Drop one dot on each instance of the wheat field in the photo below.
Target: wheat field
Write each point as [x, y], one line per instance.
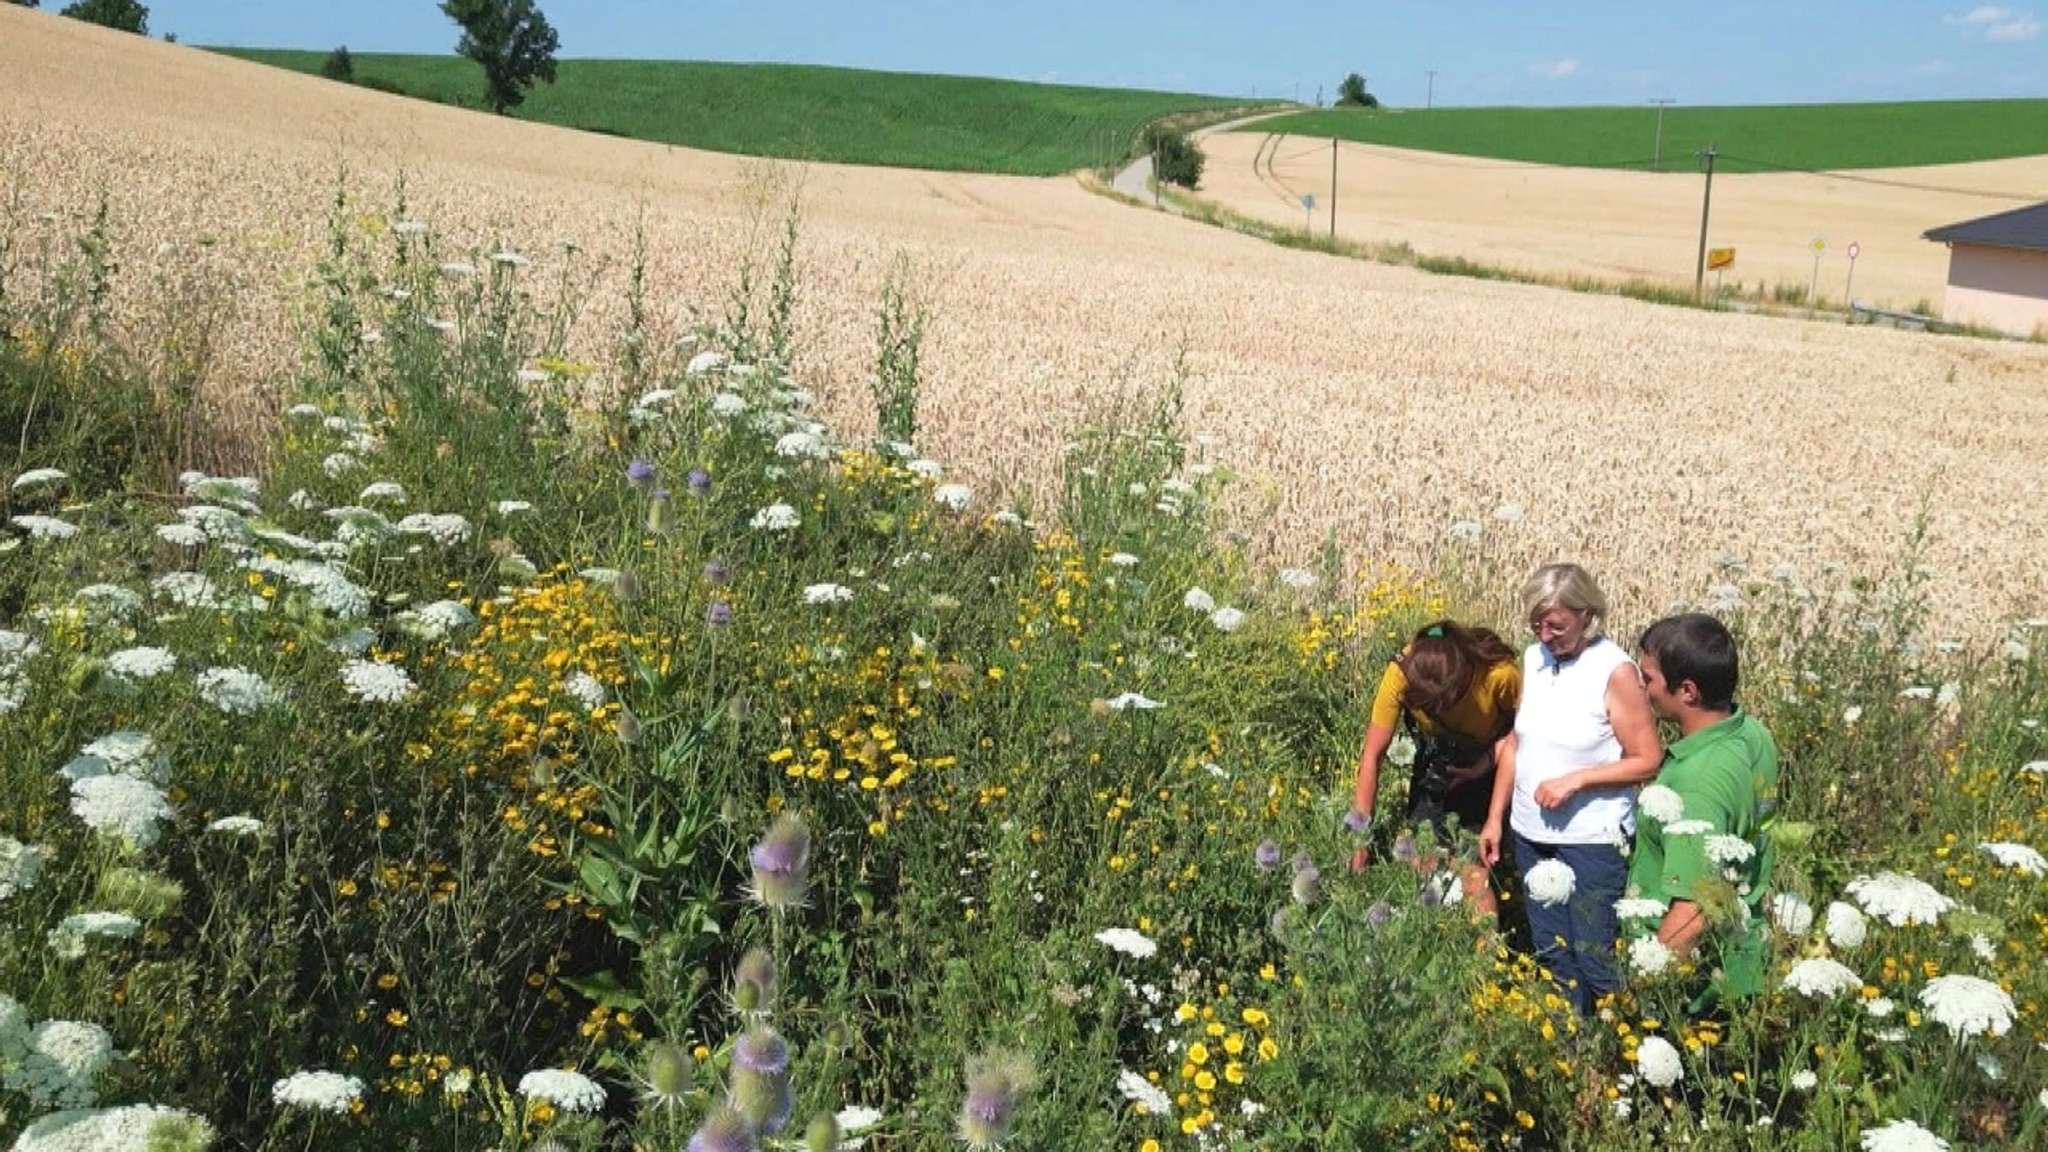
[1369, 405]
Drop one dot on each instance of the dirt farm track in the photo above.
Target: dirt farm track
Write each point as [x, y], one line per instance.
[1373, 404]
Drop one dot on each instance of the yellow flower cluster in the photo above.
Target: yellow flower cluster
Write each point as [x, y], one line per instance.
[1224, 1039]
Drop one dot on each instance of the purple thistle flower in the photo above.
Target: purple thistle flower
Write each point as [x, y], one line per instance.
[996, 1084]
[1379, 913]
[640, 474]
[1357, 821]
[700, 482]
[761, 1051]
[718, 614]
[1404, 846]
[724, 1130]
[715, 573]
[1266, 855]
[782, 863]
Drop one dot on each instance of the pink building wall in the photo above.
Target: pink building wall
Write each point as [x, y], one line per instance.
[2002, 288]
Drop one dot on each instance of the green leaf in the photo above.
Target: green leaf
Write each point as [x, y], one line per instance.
[605, 988]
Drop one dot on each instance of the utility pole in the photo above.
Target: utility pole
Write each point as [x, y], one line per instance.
[1657, 150]
[1333, 187]
[1429, 101]
[1699, 276]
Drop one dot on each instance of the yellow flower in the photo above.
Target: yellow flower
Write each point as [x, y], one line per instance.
[1198, 1053]
[1149, 1146]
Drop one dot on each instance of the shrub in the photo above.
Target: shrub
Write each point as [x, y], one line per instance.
[339, 65]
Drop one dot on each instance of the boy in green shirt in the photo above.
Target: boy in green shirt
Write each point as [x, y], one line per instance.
[1705, 817]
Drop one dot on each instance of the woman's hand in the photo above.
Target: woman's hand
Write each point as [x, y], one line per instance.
[1359, 857]
[1489, 842]
[1557, 791]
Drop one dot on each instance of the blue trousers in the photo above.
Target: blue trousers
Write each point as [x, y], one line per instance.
[1575, 939]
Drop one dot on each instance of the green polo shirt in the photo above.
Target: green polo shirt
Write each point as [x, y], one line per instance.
[1727, 776]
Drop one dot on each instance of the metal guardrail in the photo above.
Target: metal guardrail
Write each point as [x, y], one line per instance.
[1863, 313]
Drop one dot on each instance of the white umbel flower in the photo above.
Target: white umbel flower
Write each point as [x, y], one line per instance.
[569, 1091]
[1689, 828]
[827, 594]
[36, 477]
[1846, 927]
[236, 826]
[1661, 804]
[145, 663]
[1227, 619]
[21, 865]
[1729, 851]
[120, 806]
[1142, 1092]
[585, 689]
[63, 1063]
[45, 527]
[390, 490]
[236, 691]
[957, 497]
[1968, 1006]
[1791, 913]
[2018, 857]
[1127, 560]
[1197, 600]
[1297, 578]
[1639, 908]
[776, 518]
[1649, 956]
[377, 682]
[1901, 1136]
[1134, 700]
[1805, 1080]
[1551, 882]
[1822, 979]
[1658, 1061]
[1128, 941]
[318, 1091]
[129, 1126]
[444, 528]
[1898, 899]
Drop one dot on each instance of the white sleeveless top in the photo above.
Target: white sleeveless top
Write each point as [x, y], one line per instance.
[1562, 726]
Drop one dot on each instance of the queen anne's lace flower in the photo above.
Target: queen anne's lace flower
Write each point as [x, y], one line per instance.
[958, 497]
[1846, 927]
[130, 1126]
[1689, 828]
[1729, 851]
[236, 825]
[1227, 619]
[776, 518]
[1638, 908]
[317, 1091]
[63, 1062]
[1791, 913]
[1902, 1136]
[141, 663]
[1128, 942]
[1197, 600]
[1551, 882]
[1661, 804]
[45, 527]
[1649, 956]
[1659, 1062]
[1127, 560]
[236, 691]
[827, 594]
[377, 682]
[1133, 700]
[444, 528]
[2016, 856]
[1968, 1005]
[384, 490]
[36, 477]
[121, 806]
[21, 865]
[1899, 900]
[1822, 978]
[569, 1091]
[585, 689]
[1145, 1094]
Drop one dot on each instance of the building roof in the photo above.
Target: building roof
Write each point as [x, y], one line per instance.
[2020, 228]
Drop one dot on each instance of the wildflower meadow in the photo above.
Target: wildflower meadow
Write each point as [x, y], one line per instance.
[551, 748]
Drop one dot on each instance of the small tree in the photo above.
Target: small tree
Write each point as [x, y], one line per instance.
[126, 15]
[511, 40]
[1175, 159]
[1352, 93]
[339, 65]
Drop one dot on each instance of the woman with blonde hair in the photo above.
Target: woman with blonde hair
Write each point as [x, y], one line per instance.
[1455, 690]
[1564, 796]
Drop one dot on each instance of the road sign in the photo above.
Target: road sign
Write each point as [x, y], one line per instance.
[1719, 258]
[1308, 201]
[1819, 245]
[1855, 249]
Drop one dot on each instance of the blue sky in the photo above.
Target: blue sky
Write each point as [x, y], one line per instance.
[1482, 51]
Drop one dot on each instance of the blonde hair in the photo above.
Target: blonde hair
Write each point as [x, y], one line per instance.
[1566, 586]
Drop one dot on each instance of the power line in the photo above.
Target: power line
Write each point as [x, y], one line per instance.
[1832, 174]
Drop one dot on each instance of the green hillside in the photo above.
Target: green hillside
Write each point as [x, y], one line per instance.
[840, 115]
[1751, 139]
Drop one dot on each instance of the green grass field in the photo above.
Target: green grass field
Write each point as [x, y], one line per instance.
[1747, 139]
[839, 115]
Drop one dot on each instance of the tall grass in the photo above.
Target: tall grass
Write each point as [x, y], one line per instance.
[662, 733]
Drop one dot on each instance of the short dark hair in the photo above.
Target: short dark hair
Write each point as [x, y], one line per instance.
[1696, 647]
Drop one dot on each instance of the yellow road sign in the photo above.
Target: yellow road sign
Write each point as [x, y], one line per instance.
[1720, 257]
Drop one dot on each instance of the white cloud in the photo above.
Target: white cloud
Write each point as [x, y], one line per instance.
[1997, 23]
[1557, 70]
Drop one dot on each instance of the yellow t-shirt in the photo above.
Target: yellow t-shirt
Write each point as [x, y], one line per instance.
[1480, 717]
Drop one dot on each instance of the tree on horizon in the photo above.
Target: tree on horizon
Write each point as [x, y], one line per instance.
[512, 41]
[124, 15]
[1352, 93]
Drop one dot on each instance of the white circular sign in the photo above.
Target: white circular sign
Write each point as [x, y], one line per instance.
[1854, 248]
